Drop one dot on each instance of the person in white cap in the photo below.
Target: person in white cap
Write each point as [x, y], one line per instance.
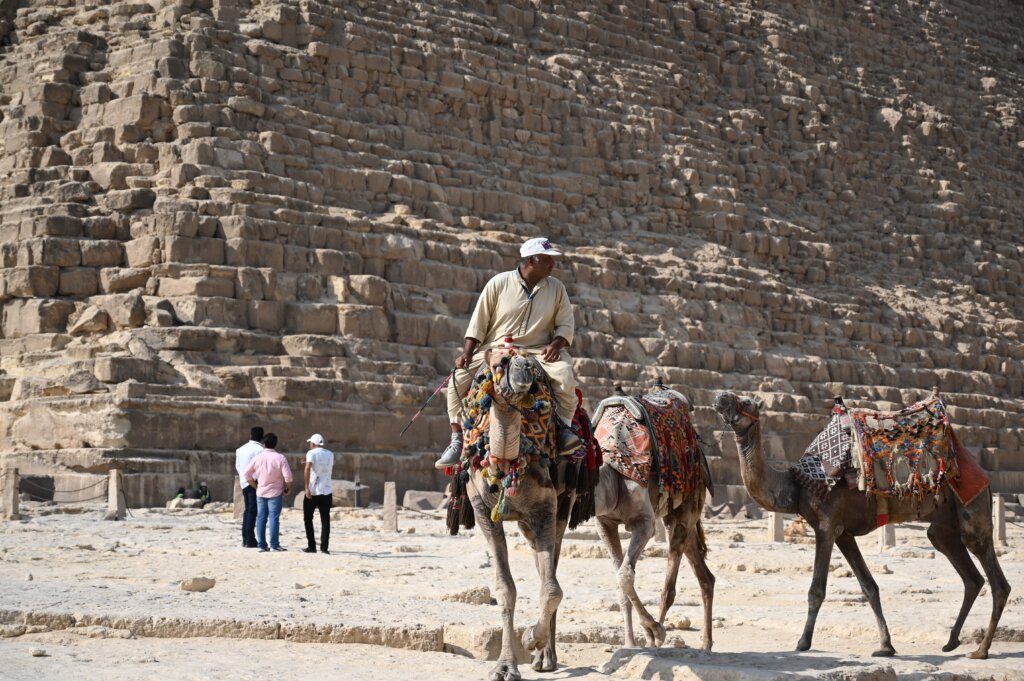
[319, 465]
[533, 309]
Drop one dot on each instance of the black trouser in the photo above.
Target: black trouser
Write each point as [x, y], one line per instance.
[249, 516]
[322, 503]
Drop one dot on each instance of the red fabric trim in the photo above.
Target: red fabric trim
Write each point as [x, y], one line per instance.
[882, 520]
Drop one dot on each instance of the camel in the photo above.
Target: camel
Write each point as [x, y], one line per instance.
[621, 500]
[541, 505]
[845, 514]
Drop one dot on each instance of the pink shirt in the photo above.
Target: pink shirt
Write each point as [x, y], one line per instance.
[271, 471]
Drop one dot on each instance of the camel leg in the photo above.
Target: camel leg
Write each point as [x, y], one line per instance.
[847, 544]
[695, 554]
[542, 524]
[823, 542]
[608, 530]
[946, 540]
[977, 536]
[505, 588]
[640, 533]
[676, 539]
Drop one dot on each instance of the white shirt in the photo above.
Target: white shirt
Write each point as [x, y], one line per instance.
[320, 472]
[244, 456]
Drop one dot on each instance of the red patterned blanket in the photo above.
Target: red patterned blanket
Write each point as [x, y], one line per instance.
[664, 449]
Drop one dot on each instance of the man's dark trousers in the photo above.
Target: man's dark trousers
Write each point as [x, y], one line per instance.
[322, 503]
[249, 516]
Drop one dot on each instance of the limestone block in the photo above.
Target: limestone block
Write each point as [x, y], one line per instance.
[78, 282]
[59, 252]
[363, 321]
[195, 286]
[422, 501]
[128, 200]
[267, 315]
[217, 312]
[114, 175]
[279, 389]
[363, 289]
[102, 253]
[91, 320]
[24, 317]
[311, 318]
[314, 346]
[119, 369]
[30, 282]
[119, 280]
[143, 252]
[181, 249]
[126, 310]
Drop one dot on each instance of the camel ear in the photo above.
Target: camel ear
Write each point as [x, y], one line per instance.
[759, 403]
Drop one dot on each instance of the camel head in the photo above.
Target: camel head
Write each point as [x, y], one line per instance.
[739, 412]
[514, 377]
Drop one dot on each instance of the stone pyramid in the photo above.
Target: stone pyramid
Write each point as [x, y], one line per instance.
[215, 213]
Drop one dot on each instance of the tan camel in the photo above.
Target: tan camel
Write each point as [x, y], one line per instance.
[618, 501]
[541, 506]
[845, 514]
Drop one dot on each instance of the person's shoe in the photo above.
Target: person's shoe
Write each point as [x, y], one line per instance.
[263, 548]
[451, 455]
[324, 551]
[251, 546]
[568, 440]
[279, 548]
[309, 549]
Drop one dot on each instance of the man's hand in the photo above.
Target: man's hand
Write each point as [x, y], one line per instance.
[287, 489]
[309, 492]
[463, 360]
[553, 350]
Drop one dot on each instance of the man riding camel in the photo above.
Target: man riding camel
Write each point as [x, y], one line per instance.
[533, 308]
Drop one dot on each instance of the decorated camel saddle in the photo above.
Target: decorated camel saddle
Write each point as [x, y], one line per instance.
[910, 453]
[651, 439]
[503, 447]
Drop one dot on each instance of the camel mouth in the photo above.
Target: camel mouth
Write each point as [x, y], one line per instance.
[725, 405]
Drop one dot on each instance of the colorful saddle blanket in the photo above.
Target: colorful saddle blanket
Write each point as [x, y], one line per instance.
[664, 448]
[828, 457]
[908, 453]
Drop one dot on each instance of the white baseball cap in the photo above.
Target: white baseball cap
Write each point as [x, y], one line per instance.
[316, 439]
[537, 246]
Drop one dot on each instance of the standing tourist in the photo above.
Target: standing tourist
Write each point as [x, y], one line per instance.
[243, 457]
[271, 469]
[319, 464]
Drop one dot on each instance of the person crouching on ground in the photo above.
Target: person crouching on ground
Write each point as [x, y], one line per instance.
[271, 469]
[319, 464]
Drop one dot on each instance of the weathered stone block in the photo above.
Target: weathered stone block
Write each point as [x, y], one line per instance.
[363, 321]
[29, 282]
[79, 282]
[120, 369]
[143, 252]
[39, 315]
[119, 280]
[126, 310]
[311, 318]
[102, 253]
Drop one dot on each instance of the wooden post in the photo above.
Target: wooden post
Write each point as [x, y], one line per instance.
[999, 519]
[116, 507]
[390, 508]
[887, 538]
[238, 500]
[9, 500]
[776, 527]
[659, 530]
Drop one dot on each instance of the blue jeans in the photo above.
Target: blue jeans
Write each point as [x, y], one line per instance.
[269, 507]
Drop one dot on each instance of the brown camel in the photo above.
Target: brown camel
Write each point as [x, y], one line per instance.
[620, 500]
[845, 514]
[541, 506]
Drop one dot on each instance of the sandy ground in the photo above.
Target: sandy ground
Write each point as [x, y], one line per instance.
[84, 598]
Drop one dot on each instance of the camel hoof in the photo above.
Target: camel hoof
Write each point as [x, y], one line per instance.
[888, 651]
[544, 661]
[505, 671]
[803, 645]
[978, 654]
[656, 635]
[707, 645]
[952, 645]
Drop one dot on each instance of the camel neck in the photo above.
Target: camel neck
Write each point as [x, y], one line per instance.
[773, 489]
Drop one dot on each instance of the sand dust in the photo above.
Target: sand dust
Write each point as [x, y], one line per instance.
[84, 598]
